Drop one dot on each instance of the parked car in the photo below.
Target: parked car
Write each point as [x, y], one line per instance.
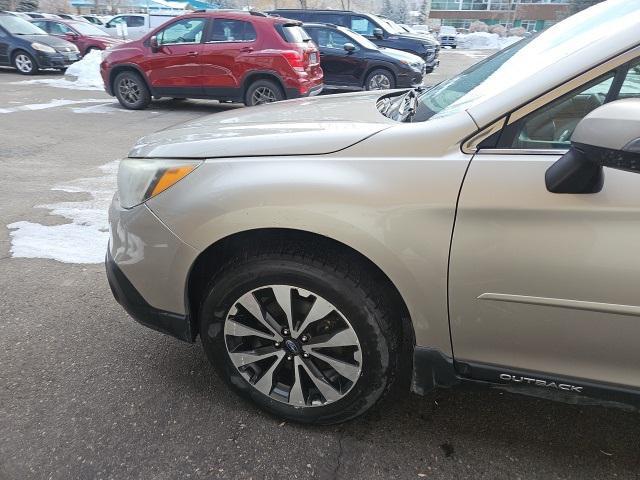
[42, 15]
[83, 35]
[322, 248]
[16, 14]
[350, 61]
[380, 31]
[231, 56]
[69, 16]
[93, 19]
[447, 36]
[28, 48]
[138, 24]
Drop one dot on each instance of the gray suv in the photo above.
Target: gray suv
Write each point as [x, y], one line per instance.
[329, 250]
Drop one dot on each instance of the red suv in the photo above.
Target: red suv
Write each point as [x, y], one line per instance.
[83, 35]
[238, 56]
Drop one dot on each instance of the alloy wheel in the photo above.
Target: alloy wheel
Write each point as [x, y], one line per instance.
[263, 95]
[129, 90]
[293, 346]
[24, 63]
[379, 82]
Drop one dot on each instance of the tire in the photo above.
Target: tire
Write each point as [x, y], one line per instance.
[344, 285]
[262, 92]
[131, 91]
[380, 79]
[454, 46]
[25, 63]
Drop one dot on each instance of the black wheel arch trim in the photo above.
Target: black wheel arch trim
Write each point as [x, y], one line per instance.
[247, 76]
[116, 69]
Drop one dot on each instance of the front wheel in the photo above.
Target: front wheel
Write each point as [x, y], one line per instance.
[300, 337]
[262, 92]
[132, 91]
[380, 80]
[25, 63]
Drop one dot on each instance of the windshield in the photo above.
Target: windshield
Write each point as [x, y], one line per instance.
[391, 26]
[88, 29]
[18, 26]
[364, 41]
[529, 57]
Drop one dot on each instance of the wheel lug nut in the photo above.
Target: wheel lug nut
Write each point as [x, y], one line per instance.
[285, 331]
[289, 357]
[277, 344]
[304, 338]
[305, 355]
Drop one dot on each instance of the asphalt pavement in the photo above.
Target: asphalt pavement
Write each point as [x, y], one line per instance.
[87, 393]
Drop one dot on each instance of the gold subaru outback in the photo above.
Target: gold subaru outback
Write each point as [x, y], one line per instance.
[483, 230]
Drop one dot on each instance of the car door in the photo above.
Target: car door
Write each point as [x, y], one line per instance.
[340, 67]
[542, 282]
[4, 47]
[228, 52]
[174, 68]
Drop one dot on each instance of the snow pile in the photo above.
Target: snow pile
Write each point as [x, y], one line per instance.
[85, 238]
[86, 72]
[485, 41]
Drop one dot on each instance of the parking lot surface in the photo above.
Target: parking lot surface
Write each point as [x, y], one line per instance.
[87, 393]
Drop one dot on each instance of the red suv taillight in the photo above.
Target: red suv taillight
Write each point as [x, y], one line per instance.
[297, 60]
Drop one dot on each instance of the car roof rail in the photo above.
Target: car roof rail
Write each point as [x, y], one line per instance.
[313, 10]
[255, 13]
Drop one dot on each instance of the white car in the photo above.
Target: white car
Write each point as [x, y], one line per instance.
[137, 24]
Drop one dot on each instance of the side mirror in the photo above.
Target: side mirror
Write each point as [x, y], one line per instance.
[350, 47]
[378, 33]
[153, 43]
[73, 36]
[607, 137]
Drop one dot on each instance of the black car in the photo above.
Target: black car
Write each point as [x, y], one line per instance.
[29, 48]
[379, 30]
[352, 62]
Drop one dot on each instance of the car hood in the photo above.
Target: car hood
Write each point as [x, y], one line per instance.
[417, 38]
[49, 40]
[400, 55]
[308, 126]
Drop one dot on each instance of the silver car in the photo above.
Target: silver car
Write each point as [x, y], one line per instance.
[328, 250]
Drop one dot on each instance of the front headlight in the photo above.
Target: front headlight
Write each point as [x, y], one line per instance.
[139, 179]
[42, 47]
[417, 67]
[74, 48]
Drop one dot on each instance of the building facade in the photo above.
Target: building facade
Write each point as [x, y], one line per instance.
[533, 15]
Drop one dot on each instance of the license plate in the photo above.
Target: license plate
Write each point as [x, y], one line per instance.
[313, 58]
[71, 56]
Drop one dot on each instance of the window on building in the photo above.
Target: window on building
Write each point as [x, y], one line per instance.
[465, 23]
[528, 25]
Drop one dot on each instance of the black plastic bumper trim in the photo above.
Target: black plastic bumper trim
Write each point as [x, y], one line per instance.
[126, 295]
[431, 369]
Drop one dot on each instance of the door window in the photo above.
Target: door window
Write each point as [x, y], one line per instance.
[232, 31]
[328, 38]
[551, 126]
[183, 31]
[363, 26]
[134, 21]
[56, 28]
[43, 25]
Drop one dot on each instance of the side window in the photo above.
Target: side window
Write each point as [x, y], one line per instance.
[362, 25]
[328, 38]
[116, 20]
[135, 21]
[183, 31]
[232, 31]
[551, 126]
[56, 28]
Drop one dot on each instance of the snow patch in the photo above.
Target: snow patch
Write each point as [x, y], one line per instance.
[105, 108]
[85, 238]
[485, 41]
[56, 102]
[81, 75]
[86, 72]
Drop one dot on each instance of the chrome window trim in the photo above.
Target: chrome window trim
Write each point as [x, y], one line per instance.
[470, 145]
[522, 151]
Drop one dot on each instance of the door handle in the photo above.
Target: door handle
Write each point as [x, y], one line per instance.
[246, 49]
[193, 54]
